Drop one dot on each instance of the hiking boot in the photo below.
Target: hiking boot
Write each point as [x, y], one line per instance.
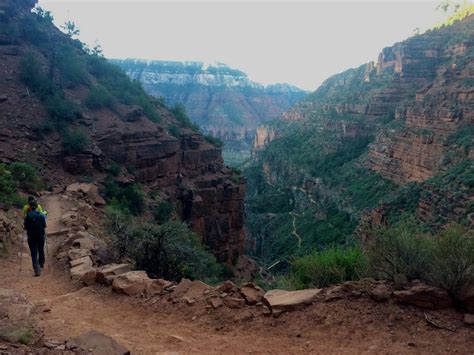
[38, 272]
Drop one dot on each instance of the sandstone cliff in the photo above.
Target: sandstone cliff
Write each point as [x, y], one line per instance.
[183, 168]
[395, 135]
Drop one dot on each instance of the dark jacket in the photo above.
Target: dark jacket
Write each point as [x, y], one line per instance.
[35, 224]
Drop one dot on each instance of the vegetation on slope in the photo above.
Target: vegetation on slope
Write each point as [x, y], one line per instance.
[310, 189]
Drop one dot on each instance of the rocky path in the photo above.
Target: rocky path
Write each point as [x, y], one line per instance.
[343, 326]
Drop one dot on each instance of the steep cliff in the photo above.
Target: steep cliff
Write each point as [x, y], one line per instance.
[395, 134]
[72, 114]
[221, 100]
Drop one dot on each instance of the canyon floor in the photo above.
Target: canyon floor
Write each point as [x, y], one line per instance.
[344, 326]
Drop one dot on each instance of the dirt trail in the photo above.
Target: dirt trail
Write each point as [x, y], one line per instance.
[342, 327]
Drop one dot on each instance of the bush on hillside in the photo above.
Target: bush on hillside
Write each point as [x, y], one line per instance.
[214, 140]
[59, 108]
[445, 260]
[99, 97]
[179, 112]
[327, 267]
[163, 212]
[8, 187]
[26, 176]
[400, 250]
[169, 251]
[452, 266]
[71, 68]
[75, 141]
[120, 86]
[129, 198]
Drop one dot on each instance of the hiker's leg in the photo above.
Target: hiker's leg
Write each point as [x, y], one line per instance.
[34, 253]
[41, 250]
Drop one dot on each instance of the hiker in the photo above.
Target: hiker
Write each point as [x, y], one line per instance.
[27, 207]
[35, 224]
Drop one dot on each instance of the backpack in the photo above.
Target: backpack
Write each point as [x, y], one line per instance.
[35, 223]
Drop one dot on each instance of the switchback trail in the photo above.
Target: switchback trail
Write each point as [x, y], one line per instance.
[342, 326]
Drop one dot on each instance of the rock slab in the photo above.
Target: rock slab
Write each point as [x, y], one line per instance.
[281, 300]
[99, 344]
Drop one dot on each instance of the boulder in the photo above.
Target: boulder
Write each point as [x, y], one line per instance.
[281, 301]
[466, 296]
[96, 343]
[234, 302]
[197, 290]
[157, 287]
[107, 273]
[468, 319]
[190, 290]
[89, 190]
[89, 277]
[252, 293]
[70, 219]
[424, 296]
[215, 302]
[78, 272]
[227, 287]
[131, 283]
[381, 293]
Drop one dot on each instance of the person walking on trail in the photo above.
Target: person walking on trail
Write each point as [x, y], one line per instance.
[27, 207]
[35, 225]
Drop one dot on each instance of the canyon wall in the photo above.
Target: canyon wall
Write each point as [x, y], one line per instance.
[221, 100]
[182, 168]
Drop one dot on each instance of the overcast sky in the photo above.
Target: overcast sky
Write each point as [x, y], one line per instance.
[298, 42]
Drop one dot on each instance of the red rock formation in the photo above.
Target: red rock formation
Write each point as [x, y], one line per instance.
[189, 170]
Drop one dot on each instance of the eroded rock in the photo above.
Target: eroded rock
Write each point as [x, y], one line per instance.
[107, 273]
[131, 283]
[281, 300]
[252, 293]
[97, 343]
[424, 296]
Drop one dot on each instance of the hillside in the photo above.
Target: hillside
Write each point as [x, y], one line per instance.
[222, 101]
[75, 117]
[385, 143]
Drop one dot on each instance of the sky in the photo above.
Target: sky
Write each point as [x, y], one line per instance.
[298, 42]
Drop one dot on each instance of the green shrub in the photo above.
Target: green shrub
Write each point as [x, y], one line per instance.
[61, 110]
[331, 266]
[129, 198]
[179, 112]
[174, 131]
[120, 86]
[99, 97]
[75, 141]
[114, 169]
[31, 74]
[214, 140]
[71, 67]
[452, 264]
[399, 250]
[15, 334]
[8, 187]
[445, 260]
[169, 251]
[163, 212]
[26, 176]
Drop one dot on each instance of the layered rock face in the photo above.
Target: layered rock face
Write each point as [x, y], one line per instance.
[221, 100]
[186, 169]
[384, 142]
